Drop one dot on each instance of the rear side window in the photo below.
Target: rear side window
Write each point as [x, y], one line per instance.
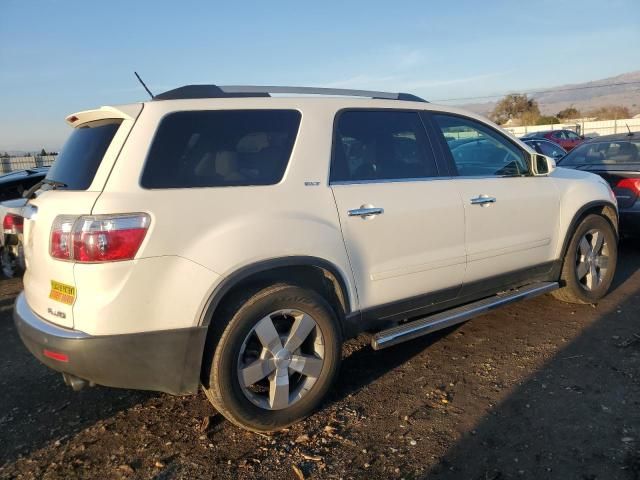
[381, 145]
[81, 156]
[221, 148]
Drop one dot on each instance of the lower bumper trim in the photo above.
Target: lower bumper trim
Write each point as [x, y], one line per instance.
[166, 360]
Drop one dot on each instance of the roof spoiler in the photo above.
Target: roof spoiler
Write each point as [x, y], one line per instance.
[125, 112]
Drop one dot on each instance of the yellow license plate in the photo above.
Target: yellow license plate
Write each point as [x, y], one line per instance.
[61, 292]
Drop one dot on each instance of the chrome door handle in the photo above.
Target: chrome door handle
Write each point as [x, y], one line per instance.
[365, 211]
[482, 200]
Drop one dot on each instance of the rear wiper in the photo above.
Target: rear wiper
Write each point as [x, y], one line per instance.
[29, 194]
[54, 183]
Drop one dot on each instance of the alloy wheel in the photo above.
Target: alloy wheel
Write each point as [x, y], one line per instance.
[592, 259]
[281, 359]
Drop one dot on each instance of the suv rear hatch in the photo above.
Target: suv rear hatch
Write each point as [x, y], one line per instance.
[70, 189]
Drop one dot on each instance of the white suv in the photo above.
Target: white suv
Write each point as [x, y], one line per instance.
[224, 237]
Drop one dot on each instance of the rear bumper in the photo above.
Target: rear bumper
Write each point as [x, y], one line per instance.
[167, 361]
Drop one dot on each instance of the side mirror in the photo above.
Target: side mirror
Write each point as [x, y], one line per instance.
[542, 165]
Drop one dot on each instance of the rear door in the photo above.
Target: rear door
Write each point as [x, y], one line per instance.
[71, 188]
[403, 224]
[511, 217]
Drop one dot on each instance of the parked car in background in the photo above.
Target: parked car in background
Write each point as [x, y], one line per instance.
[546, 147]
[11, 246]
[615, 158]
[14, 184]
[567, 139]
[218, 236]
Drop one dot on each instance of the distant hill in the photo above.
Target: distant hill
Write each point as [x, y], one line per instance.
[557, 98]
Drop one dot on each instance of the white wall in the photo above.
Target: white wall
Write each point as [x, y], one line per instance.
[590, 129]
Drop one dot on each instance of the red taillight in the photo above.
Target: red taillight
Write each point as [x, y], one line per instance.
[632, 184]
[60, 357]
[12, 223]
[99, 238]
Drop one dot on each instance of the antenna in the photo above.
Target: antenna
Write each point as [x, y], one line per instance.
[630, 134]
[143, 84]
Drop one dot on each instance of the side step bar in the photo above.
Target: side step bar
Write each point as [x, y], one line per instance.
[433, 323]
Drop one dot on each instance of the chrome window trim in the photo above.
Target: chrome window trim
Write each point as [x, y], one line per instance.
[425, 179]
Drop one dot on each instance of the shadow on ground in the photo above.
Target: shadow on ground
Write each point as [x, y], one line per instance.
[578, 416]
[36, 407]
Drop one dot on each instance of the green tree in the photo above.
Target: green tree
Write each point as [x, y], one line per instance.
[610, 112]
[515, 107]
[547, 120]
[43, 152]
[569, 112]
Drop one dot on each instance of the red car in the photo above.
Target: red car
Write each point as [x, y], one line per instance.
[567, 139]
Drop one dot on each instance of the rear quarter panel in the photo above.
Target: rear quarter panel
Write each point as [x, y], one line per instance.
[225, 229]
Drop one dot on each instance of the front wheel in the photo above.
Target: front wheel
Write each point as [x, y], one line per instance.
[276, 355]
[590, 262]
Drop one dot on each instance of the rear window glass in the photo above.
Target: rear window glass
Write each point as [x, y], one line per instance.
[221, 148]
[604, 153]
[80, 157]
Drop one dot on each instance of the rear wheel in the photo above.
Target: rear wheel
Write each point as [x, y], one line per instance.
[276, 355]
[590, 262]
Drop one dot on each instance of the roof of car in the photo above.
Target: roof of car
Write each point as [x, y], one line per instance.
[252, 91]
[615, 137]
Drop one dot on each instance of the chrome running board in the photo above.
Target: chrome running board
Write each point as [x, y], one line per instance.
[433, 323]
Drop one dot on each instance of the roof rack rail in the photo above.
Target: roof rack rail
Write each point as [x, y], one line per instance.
[238, 91]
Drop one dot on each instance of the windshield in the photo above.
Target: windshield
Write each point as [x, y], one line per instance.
[602, 153]
[80, 157]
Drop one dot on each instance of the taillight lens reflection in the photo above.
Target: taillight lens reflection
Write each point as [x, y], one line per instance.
[60, 244]
[99, 238]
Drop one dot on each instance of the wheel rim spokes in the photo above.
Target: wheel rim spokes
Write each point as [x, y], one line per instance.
[307, 365]
[592, 259]
[302, 327]
[257, 371]
[279, 389]
[268, 335]
[290, 351]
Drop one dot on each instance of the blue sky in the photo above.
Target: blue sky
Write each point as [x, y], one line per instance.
[61, 56]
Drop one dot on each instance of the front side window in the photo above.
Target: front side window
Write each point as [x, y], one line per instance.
[221, 148]
[478, 150]
[380, 145]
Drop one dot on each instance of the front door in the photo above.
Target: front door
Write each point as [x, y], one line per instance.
[511, 216]
[403, 226]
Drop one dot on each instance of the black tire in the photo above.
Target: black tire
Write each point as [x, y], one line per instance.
[575, 289]
[228, 344]
[8, 263]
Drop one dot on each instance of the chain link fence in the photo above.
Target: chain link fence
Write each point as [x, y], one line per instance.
[11, 164]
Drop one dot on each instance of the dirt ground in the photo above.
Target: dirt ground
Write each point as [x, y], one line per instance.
[536, 390]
